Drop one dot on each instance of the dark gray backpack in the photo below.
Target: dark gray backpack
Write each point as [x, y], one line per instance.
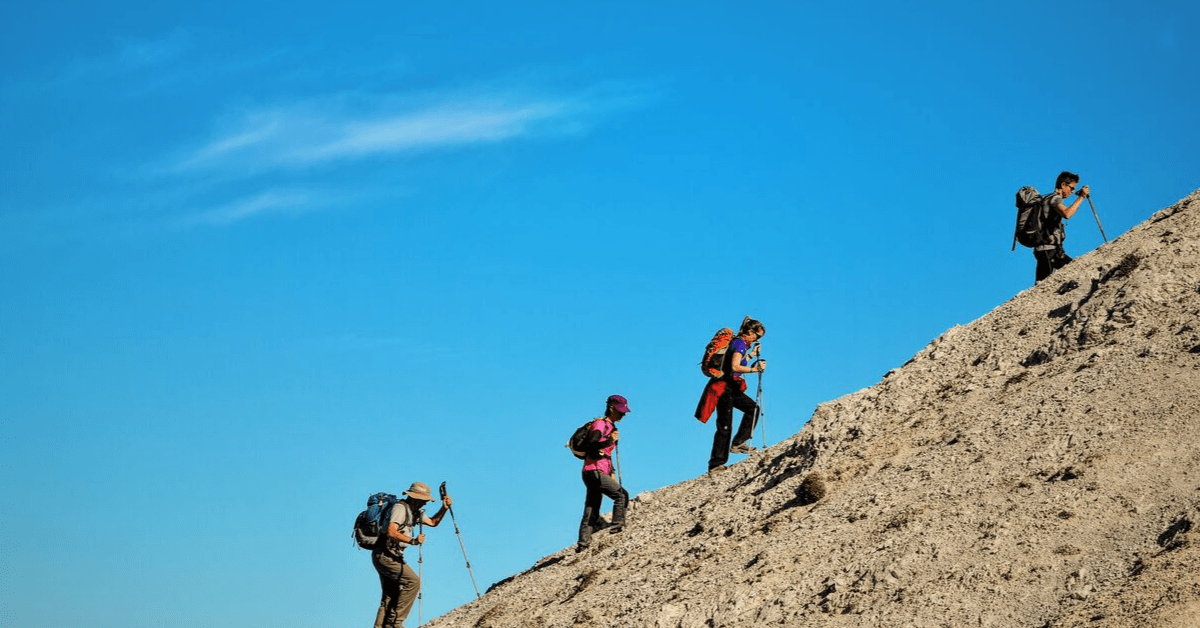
[1030, 216]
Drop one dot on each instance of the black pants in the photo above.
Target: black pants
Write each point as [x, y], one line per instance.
[598, 485]
[733, 398]
[1049, 261]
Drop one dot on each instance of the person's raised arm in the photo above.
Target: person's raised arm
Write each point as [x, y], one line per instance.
[437, 517]
[1067, 212]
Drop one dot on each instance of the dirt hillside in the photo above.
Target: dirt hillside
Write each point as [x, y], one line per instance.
[1039, 467]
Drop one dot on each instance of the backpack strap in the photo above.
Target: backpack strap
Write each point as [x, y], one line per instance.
[407, 526]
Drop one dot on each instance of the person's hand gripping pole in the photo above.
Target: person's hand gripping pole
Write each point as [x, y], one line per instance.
[760, 366]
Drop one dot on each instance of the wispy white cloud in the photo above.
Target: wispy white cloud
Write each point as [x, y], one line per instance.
[443, 126]
[252, 135]
[283, 142]
[359, 126]
[280, 201]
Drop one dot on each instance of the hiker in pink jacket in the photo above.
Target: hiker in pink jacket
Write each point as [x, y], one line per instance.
[598, 472]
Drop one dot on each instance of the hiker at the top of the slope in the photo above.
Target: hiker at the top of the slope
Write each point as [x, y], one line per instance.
[1050, 255]
[737, 363]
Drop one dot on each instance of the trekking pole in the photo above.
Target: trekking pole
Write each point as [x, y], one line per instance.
[759, 410]
[420, 571]
[442, 490]
[1089, 198]
[617, 451]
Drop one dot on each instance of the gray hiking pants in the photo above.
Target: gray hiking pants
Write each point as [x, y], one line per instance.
[400, 585]
[598, 485]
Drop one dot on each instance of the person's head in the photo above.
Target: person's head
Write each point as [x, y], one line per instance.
[419, 494]
[616, 407]
[752, 327]
[1066, 182]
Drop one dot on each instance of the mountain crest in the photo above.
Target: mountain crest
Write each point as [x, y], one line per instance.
[1037, 467]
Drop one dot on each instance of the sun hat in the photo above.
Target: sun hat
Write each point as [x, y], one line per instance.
[420, 490]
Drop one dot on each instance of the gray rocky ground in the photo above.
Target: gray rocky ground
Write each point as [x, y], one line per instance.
[1039, 467]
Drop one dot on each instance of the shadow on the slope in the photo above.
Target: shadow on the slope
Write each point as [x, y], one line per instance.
[553, 560]
[795, 502]
[1172, 537]
[810, 490]
[1070, 313]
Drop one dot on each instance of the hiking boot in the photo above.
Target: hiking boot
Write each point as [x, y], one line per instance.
[582, 547]
[742, 448]
[717, 469]
[616, 528]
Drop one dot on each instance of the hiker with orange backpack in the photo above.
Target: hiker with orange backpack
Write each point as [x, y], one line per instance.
[735, 364]
[710, 365]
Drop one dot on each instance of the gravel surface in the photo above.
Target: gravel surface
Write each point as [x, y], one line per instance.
[1037, 468]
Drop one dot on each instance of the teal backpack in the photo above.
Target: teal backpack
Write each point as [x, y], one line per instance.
[371, 523]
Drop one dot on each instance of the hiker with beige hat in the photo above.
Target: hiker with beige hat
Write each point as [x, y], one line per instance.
[399, 583]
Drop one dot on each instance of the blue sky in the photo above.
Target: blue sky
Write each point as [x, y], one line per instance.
[259, 262]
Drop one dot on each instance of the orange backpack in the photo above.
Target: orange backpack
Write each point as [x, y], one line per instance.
[714, 353]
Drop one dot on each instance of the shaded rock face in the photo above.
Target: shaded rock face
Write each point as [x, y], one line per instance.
[1038, 467]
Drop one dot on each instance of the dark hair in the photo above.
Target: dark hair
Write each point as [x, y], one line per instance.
[1066, 177]
[752, 325]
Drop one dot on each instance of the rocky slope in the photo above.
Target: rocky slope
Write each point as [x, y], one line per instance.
[1039, 467]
